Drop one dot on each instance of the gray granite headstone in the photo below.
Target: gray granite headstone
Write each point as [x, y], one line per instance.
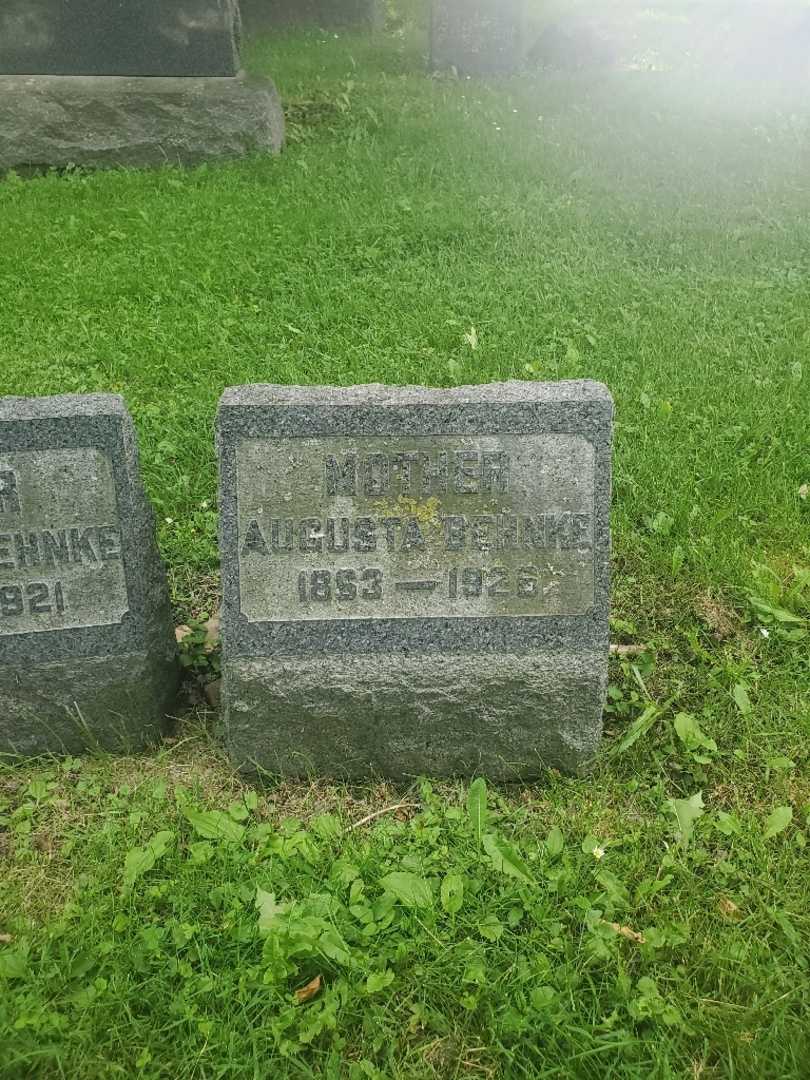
[478, 37]
[87, 654]
[128, 82]
[415, 581]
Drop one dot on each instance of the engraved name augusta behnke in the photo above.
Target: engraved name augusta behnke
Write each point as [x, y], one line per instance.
[416, 474]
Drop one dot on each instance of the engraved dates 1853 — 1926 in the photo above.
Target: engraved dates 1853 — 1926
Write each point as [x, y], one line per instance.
[447, 526]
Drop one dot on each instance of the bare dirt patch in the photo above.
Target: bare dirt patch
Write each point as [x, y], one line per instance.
[722, 620]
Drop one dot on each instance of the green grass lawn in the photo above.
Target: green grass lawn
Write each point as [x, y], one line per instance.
[157, 916]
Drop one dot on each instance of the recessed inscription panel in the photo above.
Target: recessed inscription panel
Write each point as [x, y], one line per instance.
[427, 526]
[60, 542]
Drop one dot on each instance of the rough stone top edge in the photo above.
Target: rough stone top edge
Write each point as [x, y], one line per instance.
[141, 84]
[61, 406]
[514, 392]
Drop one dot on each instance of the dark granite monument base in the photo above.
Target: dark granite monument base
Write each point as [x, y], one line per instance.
[52, 121]
[119, 37]
[113, 703]
[353, 716]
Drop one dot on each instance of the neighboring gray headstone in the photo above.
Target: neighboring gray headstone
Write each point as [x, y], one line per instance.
[573, 42]
[119, 37]
[128, 82]
[87, 654]
[415, 581]
[478, 37]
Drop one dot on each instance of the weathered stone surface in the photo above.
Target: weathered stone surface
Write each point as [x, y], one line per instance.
[100, 121]
[119, 37]
[404, 714]
[478, 37]
[262, 14]
[87, 653]
[415, 581]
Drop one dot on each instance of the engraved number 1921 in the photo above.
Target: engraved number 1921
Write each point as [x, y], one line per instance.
[37, 598]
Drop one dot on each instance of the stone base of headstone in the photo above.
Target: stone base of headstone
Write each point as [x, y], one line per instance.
[505, 715]
[117, 704]
[54, 121]
[87, 649]
[478, 37]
